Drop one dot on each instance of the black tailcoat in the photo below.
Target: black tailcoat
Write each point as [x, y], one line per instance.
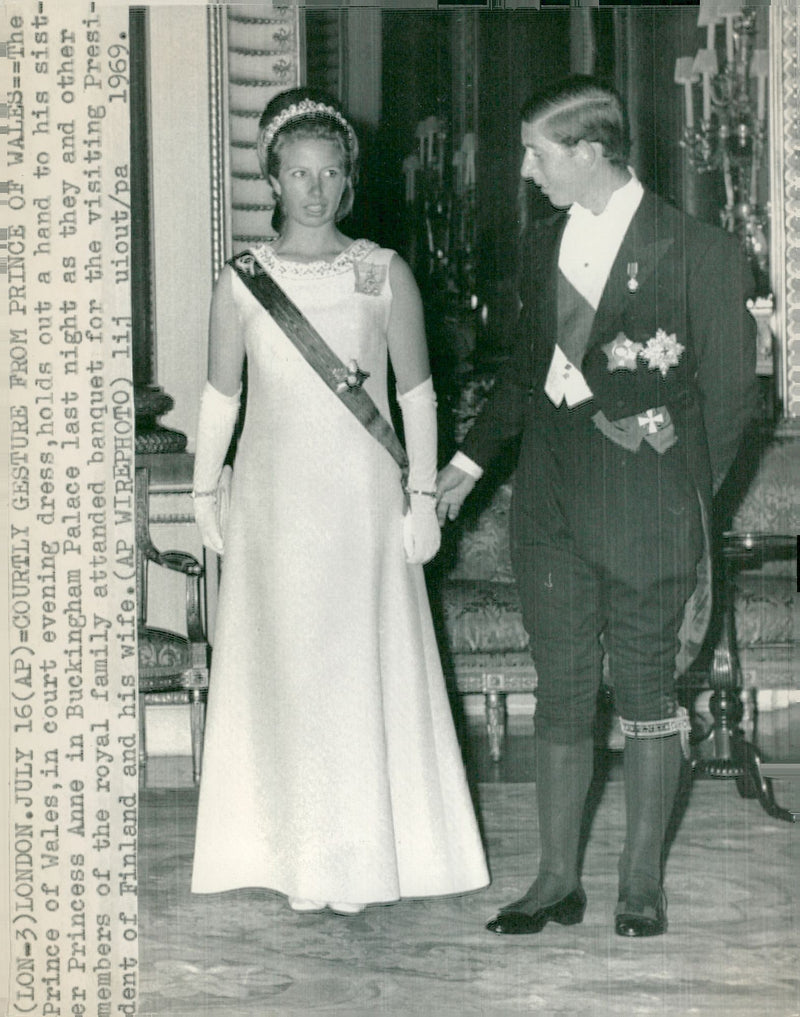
[692, 282]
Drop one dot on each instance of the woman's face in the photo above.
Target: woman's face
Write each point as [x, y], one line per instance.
[554, 168]
[311, 180]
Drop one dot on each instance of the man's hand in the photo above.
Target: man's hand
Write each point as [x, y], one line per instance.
[452, 487]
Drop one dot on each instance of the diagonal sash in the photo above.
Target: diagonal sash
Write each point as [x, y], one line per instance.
[319, 355]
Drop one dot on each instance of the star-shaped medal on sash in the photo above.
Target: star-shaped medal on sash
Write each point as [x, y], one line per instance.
[622, 353]
[350, 377]
[662, 352]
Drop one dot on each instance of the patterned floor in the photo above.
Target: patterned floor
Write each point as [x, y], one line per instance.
[731, 951]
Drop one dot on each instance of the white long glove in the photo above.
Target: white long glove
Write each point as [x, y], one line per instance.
[215, 424]
[421, 533]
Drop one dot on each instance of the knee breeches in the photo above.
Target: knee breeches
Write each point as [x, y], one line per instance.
[575, 612]
[605, 545]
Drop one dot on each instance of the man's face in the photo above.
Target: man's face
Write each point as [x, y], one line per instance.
[555, 169]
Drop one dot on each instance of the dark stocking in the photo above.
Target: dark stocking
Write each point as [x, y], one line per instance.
[563, 776]
[652, 772]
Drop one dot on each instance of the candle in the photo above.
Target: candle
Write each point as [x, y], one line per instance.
[468, 155]
[707, 18]
[685, 76]
[425, 133]
[458, 172]
[705, 64]
[730, 10]
[759, 69]
[410, 167]
[726, 175]
[439, 143]
[688, 99]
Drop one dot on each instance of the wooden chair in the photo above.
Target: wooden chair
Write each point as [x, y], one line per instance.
[483, 643]
[172, 668]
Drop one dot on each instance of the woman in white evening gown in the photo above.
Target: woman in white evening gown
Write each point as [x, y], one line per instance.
[331, 770]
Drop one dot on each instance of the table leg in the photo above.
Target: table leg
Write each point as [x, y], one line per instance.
[733, 757]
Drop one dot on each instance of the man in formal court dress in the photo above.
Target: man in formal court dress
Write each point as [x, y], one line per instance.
[631, 383]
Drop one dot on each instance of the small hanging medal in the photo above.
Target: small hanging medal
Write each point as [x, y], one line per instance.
[633, 271]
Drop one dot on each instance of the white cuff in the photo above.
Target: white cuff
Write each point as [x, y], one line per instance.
[462, 462]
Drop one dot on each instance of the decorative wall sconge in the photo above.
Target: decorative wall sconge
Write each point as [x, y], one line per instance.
[732, 133]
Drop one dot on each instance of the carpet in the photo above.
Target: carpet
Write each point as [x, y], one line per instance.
[731, 948]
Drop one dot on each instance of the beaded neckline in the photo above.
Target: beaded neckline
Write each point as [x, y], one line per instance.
[355, 251]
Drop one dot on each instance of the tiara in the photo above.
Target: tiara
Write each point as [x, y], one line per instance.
[307, 107]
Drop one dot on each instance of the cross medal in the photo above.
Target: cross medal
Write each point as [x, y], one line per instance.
[651, 420]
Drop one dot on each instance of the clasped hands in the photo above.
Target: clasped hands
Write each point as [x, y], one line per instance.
[424, 519]
[452, 487]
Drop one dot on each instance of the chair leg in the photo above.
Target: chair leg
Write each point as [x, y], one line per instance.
[496, 722]
[197, 717]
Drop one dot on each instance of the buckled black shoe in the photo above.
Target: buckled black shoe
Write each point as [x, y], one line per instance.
[638, 919]
[567, 911]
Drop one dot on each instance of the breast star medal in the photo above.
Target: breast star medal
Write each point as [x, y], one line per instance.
[622, 353]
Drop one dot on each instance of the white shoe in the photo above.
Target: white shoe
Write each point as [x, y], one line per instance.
[346, 909]
[301, 904]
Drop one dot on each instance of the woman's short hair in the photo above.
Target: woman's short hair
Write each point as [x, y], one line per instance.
[302, 113]
[582, 108]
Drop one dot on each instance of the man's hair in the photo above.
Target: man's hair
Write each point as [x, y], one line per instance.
[582, 108]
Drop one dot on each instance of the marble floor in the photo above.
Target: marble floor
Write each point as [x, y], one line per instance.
[731, 950]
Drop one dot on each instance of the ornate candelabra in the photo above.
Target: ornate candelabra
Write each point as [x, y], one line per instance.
[731, 135]
[442, 198]
[441, 204]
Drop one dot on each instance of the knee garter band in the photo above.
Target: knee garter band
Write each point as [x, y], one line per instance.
[679, 724]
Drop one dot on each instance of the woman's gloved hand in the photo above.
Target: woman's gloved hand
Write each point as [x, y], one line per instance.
[205, 515]
[216, 421]
[421, 533]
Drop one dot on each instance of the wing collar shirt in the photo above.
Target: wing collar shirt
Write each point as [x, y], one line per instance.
[590, 242]
[589, 245]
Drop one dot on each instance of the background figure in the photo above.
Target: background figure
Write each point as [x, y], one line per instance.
[631, 384]
[331, 772]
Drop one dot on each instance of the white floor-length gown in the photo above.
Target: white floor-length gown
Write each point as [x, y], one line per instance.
[331, 767]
